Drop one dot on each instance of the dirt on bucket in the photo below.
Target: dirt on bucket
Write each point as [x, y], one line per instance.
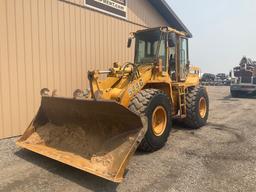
[65, 138]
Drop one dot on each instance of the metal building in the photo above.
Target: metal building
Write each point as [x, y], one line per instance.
[53, 43]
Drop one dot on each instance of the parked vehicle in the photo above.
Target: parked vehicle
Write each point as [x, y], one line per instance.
[244, 78]
[222, 80]
[207, 79]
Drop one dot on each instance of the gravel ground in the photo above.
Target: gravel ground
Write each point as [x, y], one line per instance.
[218, 157]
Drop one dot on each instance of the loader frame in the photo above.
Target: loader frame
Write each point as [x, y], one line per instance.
[99, 129]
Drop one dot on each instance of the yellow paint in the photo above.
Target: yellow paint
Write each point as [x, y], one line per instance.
[159, 121]
[113, 132]
[202, 107]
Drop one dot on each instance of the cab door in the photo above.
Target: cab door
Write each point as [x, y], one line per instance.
[172, 56]
[183, 59]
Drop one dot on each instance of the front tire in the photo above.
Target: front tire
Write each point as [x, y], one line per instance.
[197, 107]
[155, 105]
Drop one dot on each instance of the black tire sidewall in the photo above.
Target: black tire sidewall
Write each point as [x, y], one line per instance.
[158, 141]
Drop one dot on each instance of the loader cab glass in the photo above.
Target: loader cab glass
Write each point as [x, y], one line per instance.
[172, 42]
[146, 47]
[184, 62]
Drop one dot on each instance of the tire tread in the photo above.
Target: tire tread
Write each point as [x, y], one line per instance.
[139, 105]
[192, 119]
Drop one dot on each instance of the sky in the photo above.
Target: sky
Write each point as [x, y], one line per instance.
[223, 31]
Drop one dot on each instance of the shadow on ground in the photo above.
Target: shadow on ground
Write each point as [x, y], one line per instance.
[230, 98]
[79, 177]
[180, 125]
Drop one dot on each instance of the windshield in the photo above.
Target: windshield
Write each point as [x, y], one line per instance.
[146, 46]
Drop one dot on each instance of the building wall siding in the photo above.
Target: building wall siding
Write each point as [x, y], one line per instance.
[53, 43]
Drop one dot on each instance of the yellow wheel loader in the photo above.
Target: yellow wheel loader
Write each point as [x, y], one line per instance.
[99, 129]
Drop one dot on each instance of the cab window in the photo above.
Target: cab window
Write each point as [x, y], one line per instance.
[183, 57]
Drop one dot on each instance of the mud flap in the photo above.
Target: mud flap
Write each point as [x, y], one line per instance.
[98, 137]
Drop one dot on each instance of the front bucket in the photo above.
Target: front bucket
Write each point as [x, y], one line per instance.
[98, 137]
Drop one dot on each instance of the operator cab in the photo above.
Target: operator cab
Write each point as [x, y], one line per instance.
[163, 45]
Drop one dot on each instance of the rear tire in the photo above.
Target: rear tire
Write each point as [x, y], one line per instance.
[152, 103]
[197, 104]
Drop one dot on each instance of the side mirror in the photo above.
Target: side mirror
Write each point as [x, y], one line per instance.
[172, 40]
[129, 43]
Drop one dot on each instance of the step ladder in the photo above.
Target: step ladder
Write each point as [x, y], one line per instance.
[182, 101]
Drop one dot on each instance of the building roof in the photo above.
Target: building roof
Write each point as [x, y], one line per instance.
[170, 16]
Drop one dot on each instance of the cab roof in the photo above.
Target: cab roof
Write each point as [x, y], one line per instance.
[165, 29]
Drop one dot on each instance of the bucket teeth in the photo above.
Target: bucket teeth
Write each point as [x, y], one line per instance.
[78, 94]
[44, 92]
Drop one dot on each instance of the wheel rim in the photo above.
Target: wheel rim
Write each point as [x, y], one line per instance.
[202, 107]
[159, 121]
